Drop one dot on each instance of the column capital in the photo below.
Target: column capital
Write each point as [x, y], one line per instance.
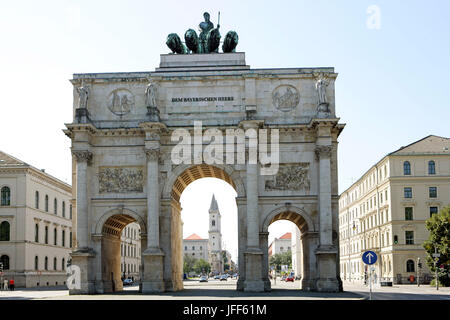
[82, 155]
[152, 154]
[251, 124]
[153, 130]
[323, 152]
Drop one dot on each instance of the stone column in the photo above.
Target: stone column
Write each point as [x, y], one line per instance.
[323, 154]
[153, 256]
[326, 253]
[152, 200]
[82, 157]
[252, 207]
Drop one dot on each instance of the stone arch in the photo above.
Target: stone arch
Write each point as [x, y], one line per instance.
[184, 174]
[292, 213]
[108, 219]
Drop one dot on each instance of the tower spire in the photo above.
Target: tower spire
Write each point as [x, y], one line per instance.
[213, 206]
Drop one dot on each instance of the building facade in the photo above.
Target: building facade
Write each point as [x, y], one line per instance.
[130, 251]
[386, 209]
[281, 245]
[297, 256]
[35, 224]
[196, 247]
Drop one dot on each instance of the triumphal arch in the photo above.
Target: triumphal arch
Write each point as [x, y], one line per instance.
[139, 138]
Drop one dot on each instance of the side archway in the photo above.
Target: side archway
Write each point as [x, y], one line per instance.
[292, 213]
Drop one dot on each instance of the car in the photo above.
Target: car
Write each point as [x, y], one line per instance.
[203, 279]
[289, 279]
[283, 278]
[223, 277]
[127, 282]
[217, 277]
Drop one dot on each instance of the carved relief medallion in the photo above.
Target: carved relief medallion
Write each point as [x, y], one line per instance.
[285, 97]
[290, 177]
[120, 180]
[120, 101]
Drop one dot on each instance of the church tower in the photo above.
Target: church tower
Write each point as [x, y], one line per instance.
[215, 238]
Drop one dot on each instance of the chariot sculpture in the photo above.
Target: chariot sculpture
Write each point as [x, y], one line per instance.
[208, 41]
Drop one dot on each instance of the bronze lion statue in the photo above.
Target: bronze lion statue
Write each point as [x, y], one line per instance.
[230, 42]
[175, 44]
[192, 41]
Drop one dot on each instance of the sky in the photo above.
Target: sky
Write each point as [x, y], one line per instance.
[392, 58]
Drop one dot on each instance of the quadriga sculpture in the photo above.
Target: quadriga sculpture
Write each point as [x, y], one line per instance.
[192, 41]
[175, 44]
[230, 42]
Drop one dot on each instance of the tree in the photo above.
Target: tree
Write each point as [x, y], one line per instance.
[188, 263]
[201, 266]
[279, 259]
[439, 227]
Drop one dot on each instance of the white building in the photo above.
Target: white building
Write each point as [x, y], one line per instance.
[196, 247]
[296, 248]
[281, 244]
[35, 224]
[385, 211]
[130, 251]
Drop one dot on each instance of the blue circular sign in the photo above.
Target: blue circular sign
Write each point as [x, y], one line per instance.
[369, 257]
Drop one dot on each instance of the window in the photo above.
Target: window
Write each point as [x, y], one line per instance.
[409, 236]
[395, 239]
[406, 168]
[55, 206]
[46, 263]
[63, 238]
[54, 263]
[36, 199]
[63, 264]
[193, 247]
[408, 213]
[201, 248]
[410, 266]
[213, 223]
[431, 167]
[46, 203]
[5, 196]
[4, 231]
[433, 210]
[70, 211]
[64, 209]
[432, 192]
[5, 261]
[407, 192]
[36, 233]
[185, 247]
[36, 263]
[55, 237]
[46, 235]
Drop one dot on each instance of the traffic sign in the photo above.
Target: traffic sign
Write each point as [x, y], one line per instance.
[369, 257]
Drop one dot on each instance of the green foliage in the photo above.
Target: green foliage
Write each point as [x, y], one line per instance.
[280, 259]
[439, 227]
[201, 266]
[188, 263]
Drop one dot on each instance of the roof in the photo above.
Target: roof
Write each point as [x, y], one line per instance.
[194, 236]
[287, 235]
[213, 206]
[8, 160]
[428, 145]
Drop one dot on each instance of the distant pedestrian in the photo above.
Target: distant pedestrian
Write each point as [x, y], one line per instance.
[11, 284]
[5, 284]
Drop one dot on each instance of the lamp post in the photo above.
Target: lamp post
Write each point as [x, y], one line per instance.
[436, 256]
[419, 266]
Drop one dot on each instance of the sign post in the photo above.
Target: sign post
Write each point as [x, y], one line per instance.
[436, 256]
[369, 258]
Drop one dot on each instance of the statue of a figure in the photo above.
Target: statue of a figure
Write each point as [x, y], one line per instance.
[321, 86]
[205, 28]
[83, 93]
[150, 95]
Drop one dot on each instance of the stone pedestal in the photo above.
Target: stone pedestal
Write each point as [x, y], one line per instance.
[152, 280]
[327, 279]
[253, 278]
[84, 260]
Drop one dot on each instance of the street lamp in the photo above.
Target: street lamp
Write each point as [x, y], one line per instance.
[419, 266]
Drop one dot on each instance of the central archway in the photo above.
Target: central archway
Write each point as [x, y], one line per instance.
[176, 183]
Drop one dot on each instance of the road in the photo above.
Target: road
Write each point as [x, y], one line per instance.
[226, 290]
